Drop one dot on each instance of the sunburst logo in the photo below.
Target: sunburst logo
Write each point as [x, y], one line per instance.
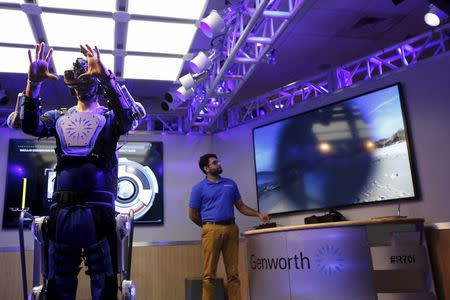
[79, 128]
[329, 260]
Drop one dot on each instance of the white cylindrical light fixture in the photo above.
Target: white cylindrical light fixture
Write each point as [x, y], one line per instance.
[183, 94]
[165, 106]
[187, 81]
[170, 96]
[199, 63]
[434, 16]
[212, 24]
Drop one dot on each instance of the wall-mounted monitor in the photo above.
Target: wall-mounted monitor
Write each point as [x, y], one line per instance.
[140, 179]
[350, 152]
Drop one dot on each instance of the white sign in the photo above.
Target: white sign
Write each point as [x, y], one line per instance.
[326, 263]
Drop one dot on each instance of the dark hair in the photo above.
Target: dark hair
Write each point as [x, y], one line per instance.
[204, 160]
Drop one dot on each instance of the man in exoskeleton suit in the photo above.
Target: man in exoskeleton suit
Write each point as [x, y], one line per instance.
[81, 225]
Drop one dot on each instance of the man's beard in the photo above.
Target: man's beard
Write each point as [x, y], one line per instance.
[217, 172]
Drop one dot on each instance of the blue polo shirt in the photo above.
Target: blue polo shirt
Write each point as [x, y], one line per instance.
[215, 201]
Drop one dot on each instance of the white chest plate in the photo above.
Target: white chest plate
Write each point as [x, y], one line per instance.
[78, 132]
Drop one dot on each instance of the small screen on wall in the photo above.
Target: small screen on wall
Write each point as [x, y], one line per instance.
[140, 179]
[351, 152]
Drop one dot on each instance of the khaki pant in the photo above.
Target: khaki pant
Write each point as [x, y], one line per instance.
[216, 239]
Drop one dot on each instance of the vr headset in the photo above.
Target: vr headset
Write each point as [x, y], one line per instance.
[80, 66]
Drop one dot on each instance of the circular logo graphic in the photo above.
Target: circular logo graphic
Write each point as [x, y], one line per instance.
[329, 260]
[137, 188]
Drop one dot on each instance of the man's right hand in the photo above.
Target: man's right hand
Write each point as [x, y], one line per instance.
[38, 70]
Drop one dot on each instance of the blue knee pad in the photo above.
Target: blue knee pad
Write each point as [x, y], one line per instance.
[98, 259]
[63, 260]
[100, 270]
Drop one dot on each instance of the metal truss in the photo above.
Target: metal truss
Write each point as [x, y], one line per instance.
[249, 38]
[390, 59]
[165, 123]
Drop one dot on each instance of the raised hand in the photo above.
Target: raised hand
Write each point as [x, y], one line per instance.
[38, 70]
[95, 66]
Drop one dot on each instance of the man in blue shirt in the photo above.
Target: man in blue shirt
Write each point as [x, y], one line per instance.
[211, 207]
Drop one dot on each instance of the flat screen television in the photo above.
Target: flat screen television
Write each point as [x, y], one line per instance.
[140, 179]
[351, 152]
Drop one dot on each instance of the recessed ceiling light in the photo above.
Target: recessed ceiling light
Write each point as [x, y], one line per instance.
[17, 61]
[64, 60]
[104, 5]
[159, 37]
[152, 68]
[64, 30]
[168, 8]
[21, 34]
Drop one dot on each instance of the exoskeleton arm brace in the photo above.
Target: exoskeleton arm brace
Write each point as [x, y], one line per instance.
[27, 116]
[13, 120]
[127, 111]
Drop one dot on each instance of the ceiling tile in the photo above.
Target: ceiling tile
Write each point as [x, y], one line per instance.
[168, 8]
[103, 5]
[64, 60]
[159, 37]
[67, 30]
[17, 19]
[152, 68]
[14, 60]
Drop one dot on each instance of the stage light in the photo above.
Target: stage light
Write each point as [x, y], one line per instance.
[183, 94]
[217, 21]
[201, 62]
[170, 96]
[171, 101]
[165, 106]
[189, 80]
[434, 16]
[213, 24]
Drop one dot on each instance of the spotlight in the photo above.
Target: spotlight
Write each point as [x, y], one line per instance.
[201, 62]
[190, 80]
[434, 16]
[183, 94]
[169, 99]
[170, 96]
[170, 103]
[187, 81]
[165, 106]
[216, 22]
[213, 24]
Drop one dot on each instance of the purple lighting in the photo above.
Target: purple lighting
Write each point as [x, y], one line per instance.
[17, 170]
[206, 29]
